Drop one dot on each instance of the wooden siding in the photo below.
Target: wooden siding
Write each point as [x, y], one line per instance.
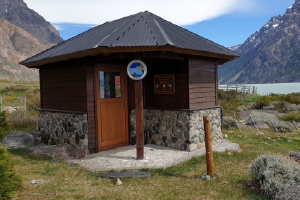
[63, 86]
[178, 100]
[202, 82]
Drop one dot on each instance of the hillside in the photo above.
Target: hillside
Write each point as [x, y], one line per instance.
[271, 55]
[17, 13]
[15, 46]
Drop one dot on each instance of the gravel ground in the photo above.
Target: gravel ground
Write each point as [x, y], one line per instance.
[155, 157]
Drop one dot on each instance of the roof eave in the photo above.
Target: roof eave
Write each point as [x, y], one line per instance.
[105, 50]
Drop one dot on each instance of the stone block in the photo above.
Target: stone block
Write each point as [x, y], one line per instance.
[200, 146]
[196, 140]
[192, 147]
[201, 138]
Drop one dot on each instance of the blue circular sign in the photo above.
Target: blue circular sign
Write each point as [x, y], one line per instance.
[137, 70]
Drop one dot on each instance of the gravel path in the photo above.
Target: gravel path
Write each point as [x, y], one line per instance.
[155, 157]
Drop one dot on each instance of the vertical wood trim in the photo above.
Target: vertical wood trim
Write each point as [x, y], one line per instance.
[188, 78]
[41, 90]
[217, 98]
[128, 106]
[125, 86]
[97, 107]
[95, 110]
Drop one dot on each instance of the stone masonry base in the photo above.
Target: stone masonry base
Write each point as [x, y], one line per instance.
[58, 128]
[178, 129]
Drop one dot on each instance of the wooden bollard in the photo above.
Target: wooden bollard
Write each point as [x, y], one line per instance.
[208, 146]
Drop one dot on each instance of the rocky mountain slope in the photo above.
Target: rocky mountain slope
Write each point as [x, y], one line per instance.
[271, 55]
[23, 33]
[17, 13]
[15, 46]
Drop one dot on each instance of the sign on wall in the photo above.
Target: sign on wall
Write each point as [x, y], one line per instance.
[164, 84]
[136, 70]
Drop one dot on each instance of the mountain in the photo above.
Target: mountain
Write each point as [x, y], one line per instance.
[23, 33]
[17, 13]
[15, 46]
[270, 55]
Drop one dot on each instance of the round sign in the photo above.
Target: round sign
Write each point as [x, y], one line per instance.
[136, 70]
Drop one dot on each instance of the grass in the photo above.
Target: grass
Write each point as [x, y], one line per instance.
[182, 181]
[292, 116]
[13, 92]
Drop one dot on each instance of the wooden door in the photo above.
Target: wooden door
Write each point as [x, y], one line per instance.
[112, 106]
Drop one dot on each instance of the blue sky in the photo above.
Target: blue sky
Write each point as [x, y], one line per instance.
[226, 22]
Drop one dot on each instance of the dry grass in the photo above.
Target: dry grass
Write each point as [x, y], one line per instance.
[178, 182]
[18, 120]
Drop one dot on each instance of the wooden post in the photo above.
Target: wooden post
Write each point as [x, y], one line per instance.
[208, 146]
[139, 112]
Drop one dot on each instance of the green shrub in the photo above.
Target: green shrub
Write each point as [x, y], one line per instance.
[273, 174]
[292, 116]
[291, 98]
[9, 180]
[228, 122]
[229, 96]
[4, 126]
[280, 106]
[264, 101]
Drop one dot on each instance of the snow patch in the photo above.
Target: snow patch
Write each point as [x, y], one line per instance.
[275, 25]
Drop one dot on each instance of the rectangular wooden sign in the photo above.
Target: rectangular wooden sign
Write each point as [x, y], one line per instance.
[164, 84]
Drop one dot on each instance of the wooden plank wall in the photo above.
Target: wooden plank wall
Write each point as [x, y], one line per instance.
[202, 82]
[91, 110]
[178, 100]
[63, 86]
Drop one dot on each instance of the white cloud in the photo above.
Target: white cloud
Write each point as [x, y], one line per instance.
[180, 12]
[58, 27]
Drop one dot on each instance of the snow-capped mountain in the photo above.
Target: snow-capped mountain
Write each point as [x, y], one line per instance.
[270, 55]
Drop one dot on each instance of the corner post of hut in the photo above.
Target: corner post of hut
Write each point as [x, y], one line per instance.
[139, 111]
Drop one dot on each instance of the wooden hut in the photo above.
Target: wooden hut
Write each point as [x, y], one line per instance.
[87, 98]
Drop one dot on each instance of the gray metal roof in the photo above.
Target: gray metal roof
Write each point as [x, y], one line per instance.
[142, 29]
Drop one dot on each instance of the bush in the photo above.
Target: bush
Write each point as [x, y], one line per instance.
[291, 98]
[264, 101]
[273, 174]
[292, 116]
[282, 127]
[280, 106]
[290, 193]
[229, 96]
[9, 180]
[17, 119]
[228, 122]
[4, 126]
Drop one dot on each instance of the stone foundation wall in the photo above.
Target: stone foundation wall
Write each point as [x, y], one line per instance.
[178, 129]
[58, 128]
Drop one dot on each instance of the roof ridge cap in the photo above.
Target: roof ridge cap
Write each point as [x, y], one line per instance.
[97, 45]
[134, 18]
[164, 34]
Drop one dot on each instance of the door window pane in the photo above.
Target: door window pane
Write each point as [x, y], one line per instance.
[110, 85]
